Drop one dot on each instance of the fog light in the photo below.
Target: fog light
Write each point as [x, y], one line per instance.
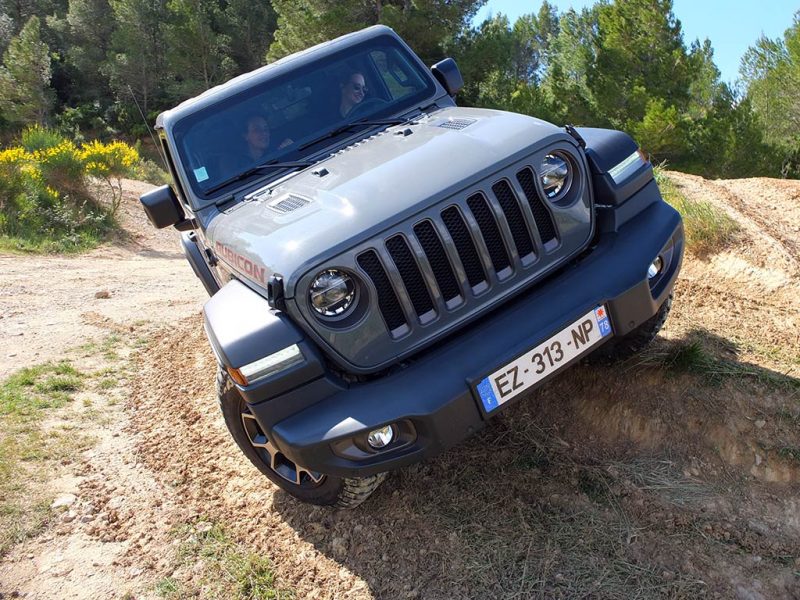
[655, 267]
[380, 438]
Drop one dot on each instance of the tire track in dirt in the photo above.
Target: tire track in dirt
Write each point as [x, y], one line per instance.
[764, 242]
[774, 204]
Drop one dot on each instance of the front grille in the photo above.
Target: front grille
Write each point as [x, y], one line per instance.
[409, 271]
[464, 245]
[452, 260]
[544, 222]
[437, 257]
[471, 245]
[516, 222]
[387, 299]
[490, 231]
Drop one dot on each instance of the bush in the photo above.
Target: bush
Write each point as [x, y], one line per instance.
[109, 163]
[49, 200]
[149, 171]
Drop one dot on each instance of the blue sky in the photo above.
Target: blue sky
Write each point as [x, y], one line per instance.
[731, 25]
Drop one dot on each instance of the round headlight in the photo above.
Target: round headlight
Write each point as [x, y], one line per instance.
[556, 174]
[332, 293]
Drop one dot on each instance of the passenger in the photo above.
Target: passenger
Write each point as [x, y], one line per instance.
[352, 92]
[256, 135]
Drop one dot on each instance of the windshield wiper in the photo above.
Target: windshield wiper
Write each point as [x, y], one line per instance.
[353, 124]
[256, 169]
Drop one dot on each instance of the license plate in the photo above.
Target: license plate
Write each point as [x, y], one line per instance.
[544, 360]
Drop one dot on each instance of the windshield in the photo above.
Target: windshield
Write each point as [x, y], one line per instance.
[280, 119]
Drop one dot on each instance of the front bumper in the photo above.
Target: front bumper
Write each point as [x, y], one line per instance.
[433, 395]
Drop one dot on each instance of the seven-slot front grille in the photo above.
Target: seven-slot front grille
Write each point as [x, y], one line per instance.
[459, 252]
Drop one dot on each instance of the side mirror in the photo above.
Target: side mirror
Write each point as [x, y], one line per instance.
[162, 207]
[447, 73]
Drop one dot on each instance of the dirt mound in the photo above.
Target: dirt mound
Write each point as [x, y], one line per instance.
[675, 475]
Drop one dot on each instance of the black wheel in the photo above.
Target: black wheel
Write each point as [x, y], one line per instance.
[620, 348]
[303, 484]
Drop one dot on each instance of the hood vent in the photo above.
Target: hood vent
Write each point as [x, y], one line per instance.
[455, 123]
[288, 204]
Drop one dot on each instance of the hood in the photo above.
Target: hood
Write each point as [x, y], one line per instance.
[291, 225]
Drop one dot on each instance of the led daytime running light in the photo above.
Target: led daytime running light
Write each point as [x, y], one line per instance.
[269, 365]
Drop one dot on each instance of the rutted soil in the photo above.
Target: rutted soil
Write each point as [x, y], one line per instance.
[652, 480]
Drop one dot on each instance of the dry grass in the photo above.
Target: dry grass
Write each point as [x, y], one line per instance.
[692, 355]
[26, 398]
[222, 568]
[707, 228]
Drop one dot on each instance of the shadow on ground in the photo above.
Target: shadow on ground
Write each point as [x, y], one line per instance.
[671, 475]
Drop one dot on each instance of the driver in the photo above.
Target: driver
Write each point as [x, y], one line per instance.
[256, 136]
[352, 92]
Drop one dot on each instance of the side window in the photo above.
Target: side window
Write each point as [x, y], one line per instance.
[400, 78]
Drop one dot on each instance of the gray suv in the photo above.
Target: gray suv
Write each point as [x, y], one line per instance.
[388, 271]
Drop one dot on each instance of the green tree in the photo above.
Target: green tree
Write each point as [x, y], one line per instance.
[198, 51]
[90, 27]
[771, 71]
[427, 25]
[250, 26]
[137, 60]
[6, 31]
[304, 23]
[571, 54]
[20, 11]
[640, 56]
[25, 93]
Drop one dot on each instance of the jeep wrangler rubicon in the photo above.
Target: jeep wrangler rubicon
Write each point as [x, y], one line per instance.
[384, 279]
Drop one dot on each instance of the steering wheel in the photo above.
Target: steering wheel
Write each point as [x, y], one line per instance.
[367, 106]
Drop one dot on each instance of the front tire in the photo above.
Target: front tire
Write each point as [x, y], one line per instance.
[304, 484]
[621, 348]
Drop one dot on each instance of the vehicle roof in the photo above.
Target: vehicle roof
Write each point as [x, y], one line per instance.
[270, 71]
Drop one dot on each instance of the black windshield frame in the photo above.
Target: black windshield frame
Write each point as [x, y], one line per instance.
[363, 51]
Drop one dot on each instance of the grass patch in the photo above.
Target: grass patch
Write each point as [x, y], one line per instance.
[108, 347]
[26, 398]
[664, 478]
[229, 570]
[707, 228]
[72, 242]
[789, 453]
[692, 357]
[108, 383]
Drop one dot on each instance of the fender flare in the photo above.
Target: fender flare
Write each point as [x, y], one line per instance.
[200, 267]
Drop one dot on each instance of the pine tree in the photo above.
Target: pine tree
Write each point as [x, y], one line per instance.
[640, 56]
[250, 26]
[90, 26]
[427, 25]
[137, 59]
[198, 50]
[25, 93]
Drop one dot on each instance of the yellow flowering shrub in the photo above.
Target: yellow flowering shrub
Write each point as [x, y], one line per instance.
[52, 189]
[109, 163]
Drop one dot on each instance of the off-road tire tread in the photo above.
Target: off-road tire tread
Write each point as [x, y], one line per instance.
[345, 492]
[621, 348]
[356, 491]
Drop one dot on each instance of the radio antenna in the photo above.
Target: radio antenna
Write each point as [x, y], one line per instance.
[152, 135]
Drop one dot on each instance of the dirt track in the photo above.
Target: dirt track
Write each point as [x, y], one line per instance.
[651, 481]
